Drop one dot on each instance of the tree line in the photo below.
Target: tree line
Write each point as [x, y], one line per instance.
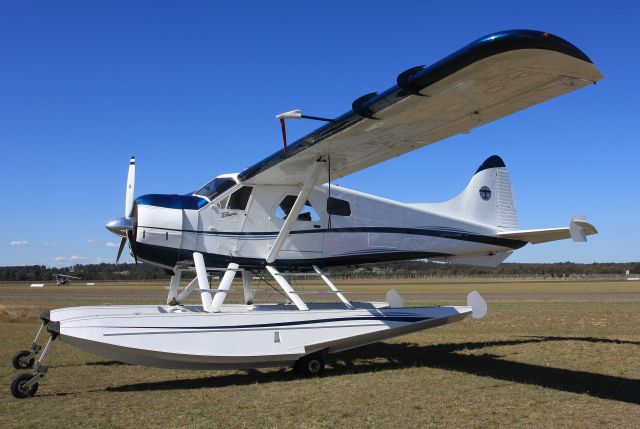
[404, 269]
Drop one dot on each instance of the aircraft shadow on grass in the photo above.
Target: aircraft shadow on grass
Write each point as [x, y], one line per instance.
[385, 356]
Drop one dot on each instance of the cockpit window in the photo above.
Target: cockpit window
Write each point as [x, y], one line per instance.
[216, 187]
[308, 213]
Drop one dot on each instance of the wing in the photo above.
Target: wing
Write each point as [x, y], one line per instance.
[491, 78]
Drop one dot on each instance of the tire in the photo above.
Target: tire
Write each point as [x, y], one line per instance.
[19, 361]
[311, 365]
[17, 386]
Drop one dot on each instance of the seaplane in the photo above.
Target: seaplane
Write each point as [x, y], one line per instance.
[63, 279]
[282, 217]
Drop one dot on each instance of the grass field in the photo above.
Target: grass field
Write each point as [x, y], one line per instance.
[549, 354]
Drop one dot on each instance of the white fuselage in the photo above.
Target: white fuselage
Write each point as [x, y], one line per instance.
[366, 229]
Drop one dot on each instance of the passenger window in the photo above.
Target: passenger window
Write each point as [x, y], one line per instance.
[240, 198]
[222, 204]
[338, 207]
[307, 214]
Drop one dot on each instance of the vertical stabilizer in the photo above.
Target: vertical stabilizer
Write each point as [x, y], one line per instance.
[487, 199]
[490, 197]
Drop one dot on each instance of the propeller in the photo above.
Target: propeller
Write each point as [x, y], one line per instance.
[122, 243]
[131, 179]
[124, 226]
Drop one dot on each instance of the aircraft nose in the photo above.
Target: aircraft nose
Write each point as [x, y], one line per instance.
[120, 226]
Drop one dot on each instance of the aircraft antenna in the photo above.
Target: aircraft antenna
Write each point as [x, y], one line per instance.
[295, 114]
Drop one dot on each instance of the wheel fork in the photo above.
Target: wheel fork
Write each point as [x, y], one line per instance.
[54, 330]
[35, 348]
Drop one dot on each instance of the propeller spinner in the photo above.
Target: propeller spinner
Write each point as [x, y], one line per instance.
[124, 226]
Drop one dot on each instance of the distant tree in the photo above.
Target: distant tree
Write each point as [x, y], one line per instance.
[402, 269]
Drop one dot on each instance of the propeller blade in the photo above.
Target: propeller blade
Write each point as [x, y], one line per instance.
[133, 253]
[122, 243]
[131, 179]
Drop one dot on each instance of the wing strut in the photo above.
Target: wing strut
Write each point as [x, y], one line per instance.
[307, 186]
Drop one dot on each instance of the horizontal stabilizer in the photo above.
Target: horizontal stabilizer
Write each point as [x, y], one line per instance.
[478, 305]
[577, 230]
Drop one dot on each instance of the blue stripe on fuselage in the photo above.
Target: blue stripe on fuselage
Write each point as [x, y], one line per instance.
[431, 232]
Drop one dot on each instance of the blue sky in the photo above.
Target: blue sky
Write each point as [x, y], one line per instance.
[191, 89]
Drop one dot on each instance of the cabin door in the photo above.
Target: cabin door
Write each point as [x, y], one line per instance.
[228, 219]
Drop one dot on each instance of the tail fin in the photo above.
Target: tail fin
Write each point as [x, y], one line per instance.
[487, 199]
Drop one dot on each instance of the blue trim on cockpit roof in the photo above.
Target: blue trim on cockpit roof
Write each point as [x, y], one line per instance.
[180, 202]
[419, 78]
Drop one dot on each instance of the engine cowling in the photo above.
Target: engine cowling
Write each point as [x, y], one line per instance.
[160, 223]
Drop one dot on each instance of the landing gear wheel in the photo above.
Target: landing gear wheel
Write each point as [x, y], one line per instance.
[19, 390]
[21, 361]
[311, 365]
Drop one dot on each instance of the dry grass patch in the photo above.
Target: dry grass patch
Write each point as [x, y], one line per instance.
[18, 313]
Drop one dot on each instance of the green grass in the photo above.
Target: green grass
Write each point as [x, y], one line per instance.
[529, 363]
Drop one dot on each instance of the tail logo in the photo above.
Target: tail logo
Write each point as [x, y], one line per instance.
[485, 193]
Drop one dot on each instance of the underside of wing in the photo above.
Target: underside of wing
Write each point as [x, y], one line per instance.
[491, 78]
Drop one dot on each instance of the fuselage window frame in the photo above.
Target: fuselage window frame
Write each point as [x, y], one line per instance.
[307, 214]
[239, 199]
[216, 187]
[338, 207]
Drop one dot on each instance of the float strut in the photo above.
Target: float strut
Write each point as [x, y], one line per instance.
[173, 288]
[247, 287]
[333, 287]
[203, 281]
[224, 287]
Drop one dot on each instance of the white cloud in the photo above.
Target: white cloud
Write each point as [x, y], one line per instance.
[25, 243]
[73, 258]
[91, 241]
[111, 244]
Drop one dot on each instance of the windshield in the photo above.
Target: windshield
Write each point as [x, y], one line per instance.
[215, 187]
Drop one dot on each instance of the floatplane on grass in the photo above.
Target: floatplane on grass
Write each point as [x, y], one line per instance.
[63, 279]
[281, 216]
